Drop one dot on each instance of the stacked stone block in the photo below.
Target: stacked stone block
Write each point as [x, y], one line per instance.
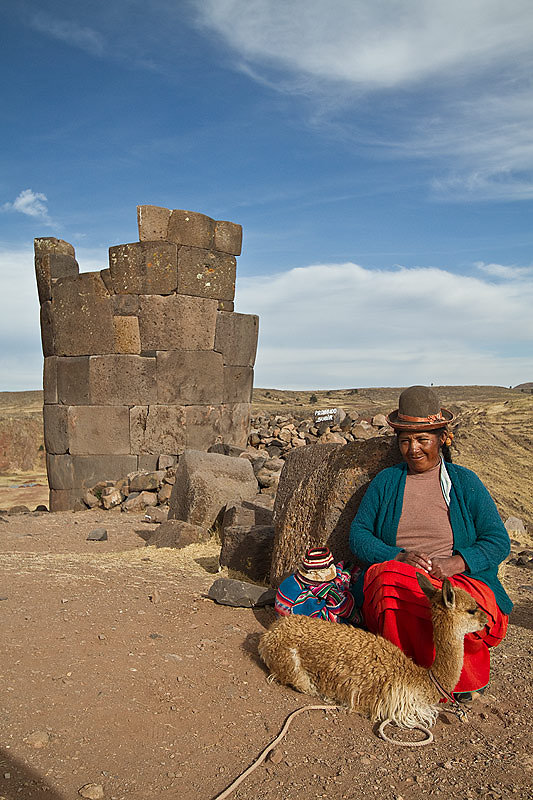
[144, 358]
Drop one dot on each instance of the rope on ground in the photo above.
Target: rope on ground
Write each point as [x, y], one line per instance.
[262, 756]
[259, 760]
[427, 740]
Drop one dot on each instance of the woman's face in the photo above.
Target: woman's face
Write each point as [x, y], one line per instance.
[421, 451]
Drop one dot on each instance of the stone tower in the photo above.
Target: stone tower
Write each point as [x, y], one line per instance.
[145, 358]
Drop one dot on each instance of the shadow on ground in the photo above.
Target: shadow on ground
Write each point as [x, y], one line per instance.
[521, 615]
[23, 781]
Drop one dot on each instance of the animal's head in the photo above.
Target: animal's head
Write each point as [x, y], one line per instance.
[460, 609]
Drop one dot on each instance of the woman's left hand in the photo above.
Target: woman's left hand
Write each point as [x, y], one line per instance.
[446, 567]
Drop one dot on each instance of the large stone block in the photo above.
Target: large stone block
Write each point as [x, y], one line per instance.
[144, 267]
[203, 426]
[84, 471]
[125, 305]
[47, 329]
[299, 464]
[147, 462]
[122, 380]
[206, 273]
[82, 312]
[238, 384]
[44, 267]
[228, 237]
[89, 469]
[236, 338]
[105, 275]
[50, 379]
[127, 334]
[235, 423]
[49, 244]
[177, 533]
[248, 550]
[152, 222]
[191, 228]
[99, 430]
[205, 483]
[66, 500]
[114, 380]
[60, 472]
[189, 377]
[177, 323]
[157, 429]
[318, 495]
[51, 266]
[56, 436]
[249, 513]
[73, 380]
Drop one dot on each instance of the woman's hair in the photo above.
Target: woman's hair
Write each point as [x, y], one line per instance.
[445, 448]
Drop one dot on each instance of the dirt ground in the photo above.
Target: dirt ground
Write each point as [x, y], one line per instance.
[116, 670]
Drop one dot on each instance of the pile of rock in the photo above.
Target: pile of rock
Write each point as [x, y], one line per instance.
[278, 435]
[142, 490]
[137, 491]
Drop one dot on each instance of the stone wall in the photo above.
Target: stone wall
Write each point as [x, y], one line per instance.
[145, 358]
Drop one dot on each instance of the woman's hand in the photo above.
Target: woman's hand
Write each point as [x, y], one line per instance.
[415, 559]
[439, 568]
[446, 567]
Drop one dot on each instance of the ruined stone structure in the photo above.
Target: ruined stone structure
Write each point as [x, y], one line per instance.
[145, 358]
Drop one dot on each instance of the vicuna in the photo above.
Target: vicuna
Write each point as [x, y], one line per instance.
[368, 673]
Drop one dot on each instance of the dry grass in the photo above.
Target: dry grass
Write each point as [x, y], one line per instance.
[195, 559]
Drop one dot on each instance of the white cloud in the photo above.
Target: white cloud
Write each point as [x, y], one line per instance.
[385, 43]
[71, 33]
[447, 81]
[505, 272]
[33, 204]
[343, 325]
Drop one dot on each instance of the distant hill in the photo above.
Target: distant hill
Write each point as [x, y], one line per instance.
[21, 432]
[369, 401]
[525, 387]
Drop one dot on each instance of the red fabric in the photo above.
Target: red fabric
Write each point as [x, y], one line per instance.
[397, 609]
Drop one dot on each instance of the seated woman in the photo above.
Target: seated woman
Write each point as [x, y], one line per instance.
[431, 515]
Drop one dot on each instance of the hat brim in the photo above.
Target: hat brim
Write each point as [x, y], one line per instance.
[404, 425]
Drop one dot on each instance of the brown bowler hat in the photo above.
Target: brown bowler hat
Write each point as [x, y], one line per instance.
[419, 410]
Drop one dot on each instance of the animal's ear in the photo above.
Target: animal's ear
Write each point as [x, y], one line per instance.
[426, 585]
[448, 594]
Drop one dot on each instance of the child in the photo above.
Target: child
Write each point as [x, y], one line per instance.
[318, 588]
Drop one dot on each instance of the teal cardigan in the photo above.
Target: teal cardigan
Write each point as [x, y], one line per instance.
[479, 535]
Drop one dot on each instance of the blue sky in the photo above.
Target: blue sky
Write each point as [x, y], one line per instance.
[378, 155]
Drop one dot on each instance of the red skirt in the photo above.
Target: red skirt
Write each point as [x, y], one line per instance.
[397, 609]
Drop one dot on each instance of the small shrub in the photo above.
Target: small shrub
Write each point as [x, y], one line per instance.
[313, 399]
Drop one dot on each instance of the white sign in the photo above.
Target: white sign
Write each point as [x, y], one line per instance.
[325, 414]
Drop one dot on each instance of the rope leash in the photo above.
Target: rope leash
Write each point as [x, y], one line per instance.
[259, 760]
[286, 725]
[454, 708]
[429, 736]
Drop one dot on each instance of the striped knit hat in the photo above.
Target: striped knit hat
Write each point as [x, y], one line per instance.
[317, 558]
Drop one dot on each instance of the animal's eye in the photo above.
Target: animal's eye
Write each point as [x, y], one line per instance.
[472, 610]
